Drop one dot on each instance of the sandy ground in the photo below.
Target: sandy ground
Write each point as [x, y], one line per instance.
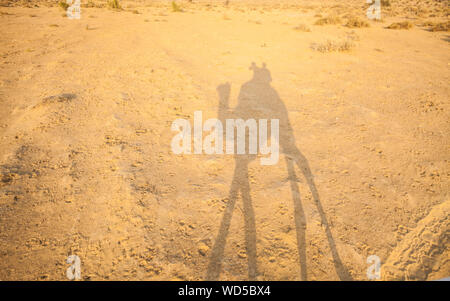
[85, 130]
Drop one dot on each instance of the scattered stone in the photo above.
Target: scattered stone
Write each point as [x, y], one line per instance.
[203, 249]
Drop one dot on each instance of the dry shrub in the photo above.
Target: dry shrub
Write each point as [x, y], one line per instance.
[355, 22]
[114, 4]
[334, 46]
[444, 26]
[352, 36]
[302, 27]
[329, 20]
[428, 23]
[401, 25]
[176, 8]
[63, 4]
[89, 4]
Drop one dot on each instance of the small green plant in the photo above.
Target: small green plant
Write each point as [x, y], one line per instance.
[63, 4]
[114, 4]
[176, 8]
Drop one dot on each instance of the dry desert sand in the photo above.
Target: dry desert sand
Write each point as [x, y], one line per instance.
[87, 169]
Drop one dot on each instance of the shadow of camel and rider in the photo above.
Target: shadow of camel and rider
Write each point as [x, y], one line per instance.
[259, 100]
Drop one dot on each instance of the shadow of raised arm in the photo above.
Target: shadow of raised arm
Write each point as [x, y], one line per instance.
[224, 100]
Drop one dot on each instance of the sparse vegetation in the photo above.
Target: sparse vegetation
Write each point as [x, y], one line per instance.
[302, 27]
[355, 22]
[444, 26]
[401, 25]
[428, 23]
[114, 4]
[63, 4]
[385, 3]
[334, 46]
[176, 8]
[329, 20]
[89, 4]
[352, 36]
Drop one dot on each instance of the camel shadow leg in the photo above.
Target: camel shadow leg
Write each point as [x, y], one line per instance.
[341, 270]
[240, 183]
[250, 226]
[300, 220]
[215, 262]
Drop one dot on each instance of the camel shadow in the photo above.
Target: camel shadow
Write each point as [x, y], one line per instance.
[259, 100]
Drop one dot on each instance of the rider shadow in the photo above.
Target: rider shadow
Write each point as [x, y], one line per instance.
[258, 100]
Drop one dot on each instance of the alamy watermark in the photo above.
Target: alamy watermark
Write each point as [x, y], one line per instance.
[374, 270]
[374, 11]
[73, 272]
[74, 9]
[213, 143]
